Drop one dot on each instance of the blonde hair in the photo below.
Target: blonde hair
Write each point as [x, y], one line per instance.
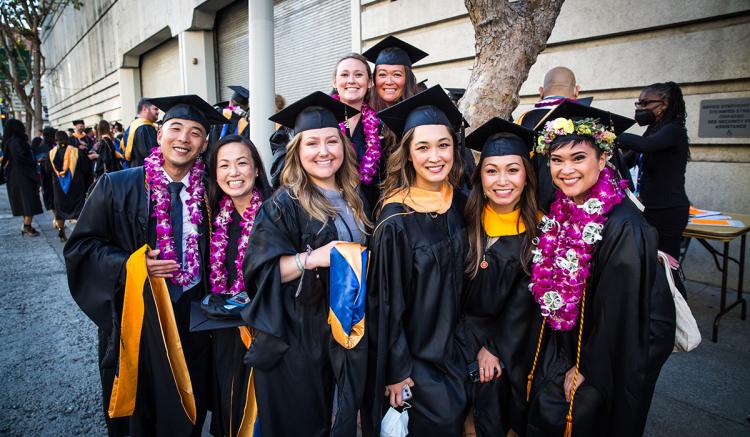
[400, 171]
[311, 199]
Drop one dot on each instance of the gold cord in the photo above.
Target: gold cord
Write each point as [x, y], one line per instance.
[569, 418]
[530, 378]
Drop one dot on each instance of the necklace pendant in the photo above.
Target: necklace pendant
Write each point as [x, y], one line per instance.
[483, 265]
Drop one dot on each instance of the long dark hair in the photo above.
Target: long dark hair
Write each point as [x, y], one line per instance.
[261, 182]
[14, 128]
[400, 173]
[671, 93]
[475, 205]
[410, 89]
[62, 138]
[103, 128]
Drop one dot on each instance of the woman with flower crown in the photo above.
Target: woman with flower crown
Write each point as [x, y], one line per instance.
[608, 325]
[236, 188]
[296, 358]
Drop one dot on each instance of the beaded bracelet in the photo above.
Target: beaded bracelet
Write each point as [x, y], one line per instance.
[299, 263]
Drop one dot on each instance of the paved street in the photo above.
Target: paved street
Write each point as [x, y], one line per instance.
[49, 379]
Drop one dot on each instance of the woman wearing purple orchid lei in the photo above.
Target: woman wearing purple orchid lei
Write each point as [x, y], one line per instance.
[608, 320]
[237, 187]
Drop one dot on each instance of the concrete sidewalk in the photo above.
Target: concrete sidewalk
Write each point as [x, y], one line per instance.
[49, 379]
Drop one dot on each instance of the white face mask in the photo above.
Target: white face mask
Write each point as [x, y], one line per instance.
[395, 424]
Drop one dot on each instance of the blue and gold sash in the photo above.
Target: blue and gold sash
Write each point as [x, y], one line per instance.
[348, 293]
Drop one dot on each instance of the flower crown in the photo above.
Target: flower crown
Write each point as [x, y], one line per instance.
[603, 137]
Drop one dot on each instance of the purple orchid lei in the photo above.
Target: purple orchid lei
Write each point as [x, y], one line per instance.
[562, 254]
[220, 240]
[368, 165]
[156, 180]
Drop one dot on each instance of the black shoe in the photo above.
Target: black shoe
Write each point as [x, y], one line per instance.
[61, 235]
[29, 230]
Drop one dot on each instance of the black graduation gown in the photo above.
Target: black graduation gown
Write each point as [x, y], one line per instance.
[21, 177]
[107, 160]
[628, 335]
[499, 314]
[46, 175]
[115, 223]
[296, 361]
[69, 205]
[231, 374]
[144, 141]
[414, 288]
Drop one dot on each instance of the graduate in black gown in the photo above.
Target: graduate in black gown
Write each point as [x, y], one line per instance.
[416, 273]
[20, 171]
[140, 137]
[237, 186]
[48, 142]
[135, 262]
[296, 362]
[71, 169]
[609, 318]
[237, 117]
[352, 80]
[108, 159]
[500, 318]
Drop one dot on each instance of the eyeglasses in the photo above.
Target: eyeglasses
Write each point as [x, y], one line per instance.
[642, 103]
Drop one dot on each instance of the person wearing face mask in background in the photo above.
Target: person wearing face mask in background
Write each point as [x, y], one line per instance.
[664, 152]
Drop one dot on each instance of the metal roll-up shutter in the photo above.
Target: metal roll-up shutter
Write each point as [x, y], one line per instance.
[310, 36]
[232, 47]
[160, 71]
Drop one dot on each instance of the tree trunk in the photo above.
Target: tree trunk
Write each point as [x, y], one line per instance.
[36, 83]
[509, 37]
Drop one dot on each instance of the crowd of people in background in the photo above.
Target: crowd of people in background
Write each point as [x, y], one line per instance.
[500, 283]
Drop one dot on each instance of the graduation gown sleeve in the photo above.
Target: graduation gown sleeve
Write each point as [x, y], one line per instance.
[271, 239]
[615, 351]
[96, 268]
[391, 261]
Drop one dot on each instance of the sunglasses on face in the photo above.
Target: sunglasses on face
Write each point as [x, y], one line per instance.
[642, 103]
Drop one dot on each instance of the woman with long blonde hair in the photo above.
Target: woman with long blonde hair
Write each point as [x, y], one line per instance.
[293, 353]
[416, 271]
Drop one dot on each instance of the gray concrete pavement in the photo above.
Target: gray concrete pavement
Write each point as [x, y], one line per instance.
[49, 381]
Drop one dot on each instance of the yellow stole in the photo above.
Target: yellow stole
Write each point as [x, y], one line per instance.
[250, 412]
[77, 135]
[502, 225]
[70, 160]
[124, 388]
[241, 124]
[421, 200]
[134, 125]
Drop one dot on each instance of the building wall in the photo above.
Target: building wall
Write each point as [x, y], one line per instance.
[94, 54]
[615, 48]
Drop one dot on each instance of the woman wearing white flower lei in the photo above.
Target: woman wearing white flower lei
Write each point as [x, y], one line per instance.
[594, 262]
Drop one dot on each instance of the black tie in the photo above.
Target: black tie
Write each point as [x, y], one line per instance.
[175, 213]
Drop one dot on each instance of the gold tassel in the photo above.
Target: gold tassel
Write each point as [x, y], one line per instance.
[568, 426]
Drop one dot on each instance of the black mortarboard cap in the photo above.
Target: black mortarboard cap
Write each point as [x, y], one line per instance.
[201, 321]
[426, 108]
[75, 122]
[498, 137]
[576, 111]
[393, 51]
[240, 91]
[189, 107]
[315, 111]
[241, 94]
